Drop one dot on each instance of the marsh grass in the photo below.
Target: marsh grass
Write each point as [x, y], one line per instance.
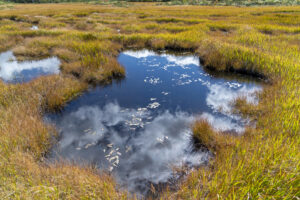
[209, 138]
[263, 42]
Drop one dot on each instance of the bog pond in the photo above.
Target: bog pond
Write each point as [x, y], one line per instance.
[139, 128]
[12, 71]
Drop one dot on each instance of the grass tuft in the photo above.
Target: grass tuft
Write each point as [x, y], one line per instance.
[211, 139]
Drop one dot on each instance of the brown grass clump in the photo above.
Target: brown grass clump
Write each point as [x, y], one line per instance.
[241, 106]
[23, 53]
[205, 135]
[157, 44]
[8, 41]
[208, 137]
[66, 55]
[73, 68]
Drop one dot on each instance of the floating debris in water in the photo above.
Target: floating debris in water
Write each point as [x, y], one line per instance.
[162, 139]
[110, 145]
[142, 109]
[153, 105]
[182, 76]
[135, 121]
[90, 131]
[152, 80]
[113, 158]
[128, 148]
[89, 145]
[180, 82]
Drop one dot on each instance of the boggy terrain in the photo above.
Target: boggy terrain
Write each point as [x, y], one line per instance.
[263, 42]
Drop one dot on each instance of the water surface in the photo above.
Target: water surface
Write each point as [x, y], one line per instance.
[139, 128]
[12, 71]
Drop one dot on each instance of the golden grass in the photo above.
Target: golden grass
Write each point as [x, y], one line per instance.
[211, 139]
[261, 41]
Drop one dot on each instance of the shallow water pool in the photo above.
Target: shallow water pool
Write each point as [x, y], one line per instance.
[139, 128]
[12, 71]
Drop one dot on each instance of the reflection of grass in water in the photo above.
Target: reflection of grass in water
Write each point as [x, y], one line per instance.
[263, 163]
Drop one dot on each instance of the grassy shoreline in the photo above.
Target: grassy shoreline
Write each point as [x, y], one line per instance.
[261, 164]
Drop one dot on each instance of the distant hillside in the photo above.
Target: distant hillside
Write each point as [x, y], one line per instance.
[174, 2]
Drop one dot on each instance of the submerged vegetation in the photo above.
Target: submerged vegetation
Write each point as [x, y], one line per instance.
[264, 42]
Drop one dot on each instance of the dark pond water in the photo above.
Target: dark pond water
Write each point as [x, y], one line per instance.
[12, 71]
[139, 128]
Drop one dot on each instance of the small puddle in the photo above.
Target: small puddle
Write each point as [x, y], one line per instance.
[12, 71]
[139, 128]
[34, 28]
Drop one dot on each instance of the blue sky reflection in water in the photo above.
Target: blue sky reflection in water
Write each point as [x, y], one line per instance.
[139, 128]
[12, 71]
